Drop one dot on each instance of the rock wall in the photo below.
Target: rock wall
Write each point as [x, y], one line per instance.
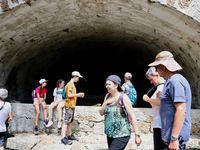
[87, 119]
[188, 7]
[88, 127]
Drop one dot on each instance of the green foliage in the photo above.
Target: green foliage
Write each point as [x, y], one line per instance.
[75, 131]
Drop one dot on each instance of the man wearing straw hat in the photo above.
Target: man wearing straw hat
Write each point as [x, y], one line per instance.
[175, 103]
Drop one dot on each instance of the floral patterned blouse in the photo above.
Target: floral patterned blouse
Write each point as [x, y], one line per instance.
[116, 125]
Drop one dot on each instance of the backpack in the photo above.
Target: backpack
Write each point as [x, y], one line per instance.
[131, 92]
[123, 110]
[64, 93]
[33, 95]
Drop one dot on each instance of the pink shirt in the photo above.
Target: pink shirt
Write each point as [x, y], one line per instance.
[41, 91]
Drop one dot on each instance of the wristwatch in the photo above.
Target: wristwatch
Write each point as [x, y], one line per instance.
[173, 138]
[137, 135]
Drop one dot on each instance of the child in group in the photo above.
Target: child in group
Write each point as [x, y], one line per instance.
[39, 98]
[70, 103]
[58, 103]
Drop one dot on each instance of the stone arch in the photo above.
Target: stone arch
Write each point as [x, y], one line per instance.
[34, 40]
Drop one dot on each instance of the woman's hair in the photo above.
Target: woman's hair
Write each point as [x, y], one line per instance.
[3, 94]
[151, 72]
[59, 82]
[119, 88]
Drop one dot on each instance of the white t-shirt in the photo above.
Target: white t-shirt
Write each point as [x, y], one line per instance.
[4, 115]
[156, 109]
[58, 94]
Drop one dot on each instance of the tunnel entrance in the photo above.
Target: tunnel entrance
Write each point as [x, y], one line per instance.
[51, 39]
[94, 58]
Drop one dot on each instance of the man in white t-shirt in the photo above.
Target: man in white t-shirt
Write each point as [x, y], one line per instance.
[5, 115]
[158, 82]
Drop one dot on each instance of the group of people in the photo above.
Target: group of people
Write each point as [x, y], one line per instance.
[170, 99]
[66, 97]
[171, 103]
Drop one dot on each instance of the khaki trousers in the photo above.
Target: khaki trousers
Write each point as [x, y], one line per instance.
[59, 106]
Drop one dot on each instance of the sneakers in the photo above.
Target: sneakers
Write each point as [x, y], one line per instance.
[72, 137]
[66, 141]
[36, 130]
[45, 123]
[59, 125]
[50, 123]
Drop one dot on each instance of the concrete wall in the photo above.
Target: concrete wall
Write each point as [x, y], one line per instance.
[87, 119]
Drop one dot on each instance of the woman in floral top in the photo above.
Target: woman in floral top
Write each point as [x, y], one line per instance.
[119, 116]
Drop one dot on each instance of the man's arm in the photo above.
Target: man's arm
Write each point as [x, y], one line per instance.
[155, 101]
[178, 118]
[10, 116]
[178, 124]
[70, 95]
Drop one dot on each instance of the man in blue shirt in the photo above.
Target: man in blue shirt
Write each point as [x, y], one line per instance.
[175, 103]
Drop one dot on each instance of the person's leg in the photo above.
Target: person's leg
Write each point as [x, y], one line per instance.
[37, 108]
[44, 107]
[59, 110]
[2, 140]
[164, 146]
[51, 107]
[109, 141]
[119, 143]
[63, 131]
[69, 119]
[157, 140]
[182, 146]
[69, 129]
[65, 127]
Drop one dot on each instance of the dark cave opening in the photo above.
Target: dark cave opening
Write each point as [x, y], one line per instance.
[95, 60]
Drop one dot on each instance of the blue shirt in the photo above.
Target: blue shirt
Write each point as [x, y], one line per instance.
[176, 89]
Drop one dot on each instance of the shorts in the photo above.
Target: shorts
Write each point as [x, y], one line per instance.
[69, 115]
[2, 139]
[40, 101]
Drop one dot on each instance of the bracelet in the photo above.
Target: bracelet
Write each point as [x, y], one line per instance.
[137, 135]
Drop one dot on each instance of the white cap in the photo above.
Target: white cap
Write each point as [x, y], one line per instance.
[42, 81]
[76, 73]
[3, 94]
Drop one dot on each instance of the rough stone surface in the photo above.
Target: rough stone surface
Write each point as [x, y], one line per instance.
[87, 142]
[89, 126]
[87, 120]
